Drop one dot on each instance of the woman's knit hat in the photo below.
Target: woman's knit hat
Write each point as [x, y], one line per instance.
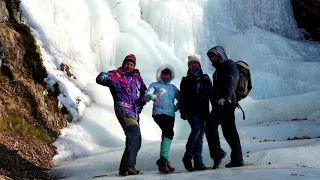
[194, 58]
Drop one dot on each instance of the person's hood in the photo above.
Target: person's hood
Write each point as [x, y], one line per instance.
[163, 67]
[219, 51]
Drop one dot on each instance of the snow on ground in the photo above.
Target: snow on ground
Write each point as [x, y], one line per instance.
[266, 150]
[95, 35]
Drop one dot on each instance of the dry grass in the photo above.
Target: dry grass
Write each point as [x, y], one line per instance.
[30, 119]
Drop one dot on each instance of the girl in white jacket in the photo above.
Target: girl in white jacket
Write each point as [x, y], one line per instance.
[163, 95]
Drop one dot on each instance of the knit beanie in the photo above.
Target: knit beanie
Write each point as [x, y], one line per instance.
[130, 58]
[194, 58]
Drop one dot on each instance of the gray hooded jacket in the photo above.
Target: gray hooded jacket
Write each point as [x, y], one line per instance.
[225, 78]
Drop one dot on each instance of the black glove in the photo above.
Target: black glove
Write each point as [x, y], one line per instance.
[138, 109]
[142, 103]
[184, 117]
[211, 116]
[112, 86]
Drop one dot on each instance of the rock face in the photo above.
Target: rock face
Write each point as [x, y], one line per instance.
[30, 119]
[307, 15]
[4, 15]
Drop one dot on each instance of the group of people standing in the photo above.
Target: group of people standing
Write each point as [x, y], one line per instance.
[197, 91]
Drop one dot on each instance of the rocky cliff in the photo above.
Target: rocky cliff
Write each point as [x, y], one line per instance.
[30, 119]
[307, 15]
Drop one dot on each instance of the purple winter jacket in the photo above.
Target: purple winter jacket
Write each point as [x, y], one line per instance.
[127, 91]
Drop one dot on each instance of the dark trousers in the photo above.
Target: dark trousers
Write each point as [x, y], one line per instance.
[224, 116]
[166, 124]
[131, 129]
[195, 140]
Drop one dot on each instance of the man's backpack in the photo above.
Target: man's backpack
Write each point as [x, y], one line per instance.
[244, 83]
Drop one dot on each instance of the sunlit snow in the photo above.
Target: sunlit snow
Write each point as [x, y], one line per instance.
[90, 36]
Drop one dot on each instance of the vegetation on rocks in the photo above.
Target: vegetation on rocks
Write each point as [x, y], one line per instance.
[30, 119]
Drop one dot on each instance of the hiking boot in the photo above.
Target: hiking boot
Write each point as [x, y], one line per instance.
[199, 167]
[130, 170]
[235, 164]
[162, 164]
[123, 171]
[217, 160]
[172, 169]
[187, 165]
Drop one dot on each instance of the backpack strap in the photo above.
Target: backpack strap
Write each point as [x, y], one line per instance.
[243, 115]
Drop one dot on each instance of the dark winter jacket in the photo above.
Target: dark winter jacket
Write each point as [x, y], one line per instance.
[225, 78]
[192, 101]
[127, 91]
